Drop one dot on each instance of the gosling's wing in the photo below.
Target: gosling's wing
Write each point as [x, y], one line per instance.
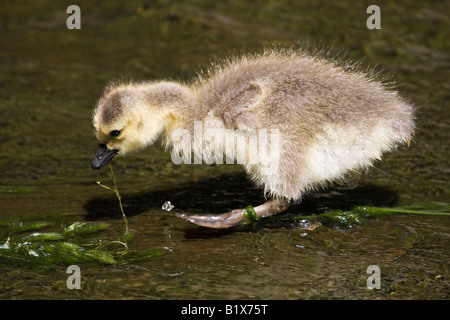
[239, 109]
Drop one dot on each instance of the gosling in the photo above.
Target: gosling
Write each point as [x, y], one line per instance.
[320, 121]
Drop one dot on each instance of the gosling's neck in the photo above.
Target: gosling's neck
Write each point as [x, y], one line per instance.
[168, 95]
[176, 102]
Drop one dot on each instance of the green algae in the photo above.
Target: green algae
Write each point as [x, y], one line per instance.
[48, 236]
[16, 190]
[250, 214]
[81, 228]
[127, 235]
[358, 214]
[40, 253]
[74, 244]
[19, 226]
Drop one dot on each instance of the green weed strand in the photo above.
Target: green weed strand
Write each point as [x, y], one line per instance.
[116, 192]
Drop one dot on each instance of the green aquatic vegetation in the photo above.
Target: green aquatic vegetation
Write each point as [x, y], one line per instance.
[48, 236]
[19, 226]
[101, 256]
[358, 214]
[250, 214]
[46, 253]
[128, 235]
[427, 209]
[138, 256]
[80, 228]
[74, 244]
[15, 190]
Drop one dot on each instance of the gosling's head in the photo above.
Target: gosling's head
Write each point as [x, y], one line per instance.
[128, 118]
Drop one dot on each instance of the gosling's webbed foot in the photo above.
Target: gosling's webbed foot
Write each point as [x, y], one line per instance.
[237, 216]
[225, 220]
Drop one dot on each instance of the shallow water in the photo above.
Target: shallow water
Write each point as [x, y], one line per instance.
[51, 78]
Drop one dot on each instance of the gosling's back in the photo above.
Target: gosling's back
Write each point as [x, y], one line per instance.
[331, 120]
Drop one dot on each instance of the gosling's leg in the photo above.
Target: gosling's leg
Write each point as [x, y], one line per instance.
[238, 216]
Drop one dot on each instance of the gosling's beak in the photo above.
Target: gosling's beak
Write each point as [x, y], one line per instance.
[102, 156]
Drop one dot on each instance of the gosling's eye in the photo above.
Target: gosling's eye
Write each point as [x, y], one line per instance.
[114, 133]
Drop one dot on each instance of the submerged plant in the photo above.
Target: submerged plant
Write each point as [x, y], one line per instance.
[73, 244]
[80, 228]
[358, 213]
[127, 235]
